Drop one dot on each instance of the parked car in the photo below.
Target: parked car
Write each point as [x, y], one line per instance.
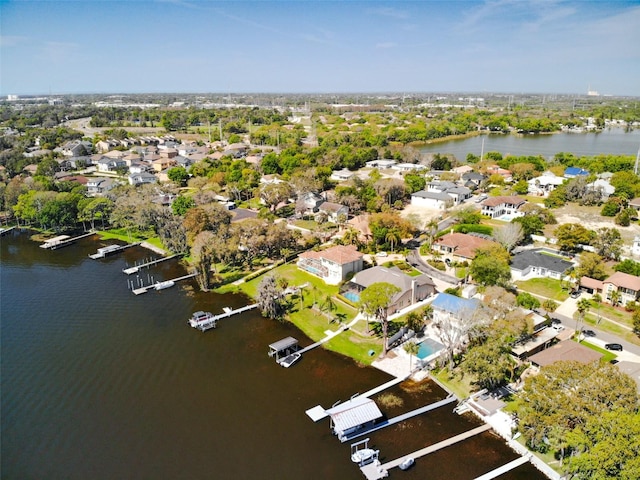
[589, 333]
[558, 327]
[613, 346]
[381, 254]
[576, 294]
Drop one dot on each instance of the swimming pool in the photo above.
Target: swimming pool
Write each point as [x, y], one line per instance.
[352, 296]
[428, 347]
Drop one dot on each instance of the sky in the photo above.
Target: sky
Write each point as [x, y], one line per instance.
[192, 46]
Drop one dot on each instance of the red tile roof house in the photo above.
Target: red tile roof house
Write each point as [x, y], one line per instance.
[495, 207]
[461, 245]
[333, 264]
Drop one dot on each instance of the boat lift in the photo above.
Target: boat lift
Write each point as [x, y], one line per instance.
[284, 351]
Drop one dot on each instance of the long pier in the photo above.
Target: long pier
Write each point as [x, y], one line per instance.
[211, 322]
[375, 471]
[63, 241]
[137, 268]
[504, 468]
[400, 418]
[154, 286]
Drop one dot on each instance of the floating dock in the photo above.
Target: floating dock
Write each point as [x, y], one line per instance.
[63, 241]
[376, 471]
[109, 249]
[137, 268]
[161, 285]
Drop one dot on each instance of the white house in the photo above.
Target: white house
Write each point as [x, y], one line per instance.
[544, 184]
[342, 175]
[495, 207]
[333, 264]
[435, 200]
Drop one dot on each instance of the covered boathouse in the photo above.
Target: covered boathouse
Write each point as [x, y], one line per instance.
[356, 414]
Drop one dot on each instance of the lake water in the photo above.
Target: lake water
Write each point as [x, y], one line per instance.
[609, 141]
[97, 383]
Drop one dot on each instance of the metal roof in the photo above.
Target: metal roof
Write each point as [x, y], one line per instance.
[283, 344]
[353, 413]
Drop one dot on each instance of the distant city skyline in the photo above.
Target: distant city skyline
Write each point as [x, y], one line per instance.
[189, 46]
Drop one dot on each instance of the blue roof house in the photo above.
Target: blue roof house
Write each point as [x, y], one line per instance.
[449, 307]
[572, 172]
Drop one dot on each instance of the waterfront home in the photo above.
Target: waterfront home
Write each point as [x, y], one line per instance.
[333, 264]
[572, 172]
[508, 206]
[411, 289]
[539, 263]
[462, 246]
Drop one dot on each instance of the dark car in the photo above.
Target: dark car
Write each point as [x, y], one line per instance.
[575, 294]
[613, 346]
[589, 333]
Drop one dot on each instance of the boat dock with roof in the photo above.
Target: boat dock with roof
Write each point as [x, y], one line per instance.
[109, 249]
[285, 351]
[204, 321]
[63, 240]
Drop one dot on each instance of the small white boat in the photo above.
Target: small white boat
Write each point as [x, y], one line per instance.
[289, 360]
[165, 284]
[364, 455]
[199, 317]
[407, 463]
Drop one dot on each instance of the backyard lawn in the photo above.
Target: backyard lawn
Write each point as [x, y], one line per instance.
[311, 313]
[544, 287]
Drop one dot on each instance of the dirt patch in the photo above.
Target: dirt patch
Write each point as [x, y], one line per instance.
[590, 218]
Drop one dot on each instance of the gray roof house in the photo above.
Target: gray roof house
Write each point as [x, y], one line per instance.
[538, 263]
[142, 178]
[437, 200]
[412, 289]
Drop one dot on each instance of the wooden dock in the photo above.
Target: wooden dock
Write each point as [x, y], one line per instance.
[109, 249]
[399, 418]
[154, 286]
[376, 471]
[137, 268]
[212, 321]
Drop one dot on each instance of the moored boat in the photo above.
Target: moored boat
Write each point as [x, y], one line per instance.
[289, 360]
[165, 284]
[406, 464]
[199, 318]
[364, 455]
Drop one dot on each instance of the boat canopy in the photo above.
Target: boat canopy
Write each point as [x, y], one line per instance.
[283, 344]
[354, 413]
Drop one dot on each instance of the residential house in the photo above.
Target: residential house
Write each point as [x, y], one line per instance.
[572, 172]
[539, 263]
[360, 223]
[496, 170]
[447, 307]
[411, 289]
[565, 351]
[627, 286]
[76, 148]
[462, 169]
[309, 203]
[602, 186]
[381, 163]
[509, 206]
[105, 145]
[163, 163]
[473, 180]
[462, 245]
[272, 179]
[142, 178]
[342, 175]
[334, 211]
[436, 200]
[99, 185]
[544, 184]
[408, 167]
[106, 164]
[333, 264]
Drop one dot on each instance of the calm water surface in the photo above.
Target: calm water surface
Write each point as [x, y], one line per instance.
[610, 141]
[98, 383]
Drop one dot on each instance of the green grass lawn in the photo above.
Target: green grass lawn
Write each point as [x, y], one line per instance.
[544, 287]
[607, 355]
[355, 343]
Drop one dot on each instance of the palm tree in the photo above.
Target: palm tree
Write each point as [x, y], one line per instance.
[412, 349]
[583, 307]
[392, 237]
[614, 297]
